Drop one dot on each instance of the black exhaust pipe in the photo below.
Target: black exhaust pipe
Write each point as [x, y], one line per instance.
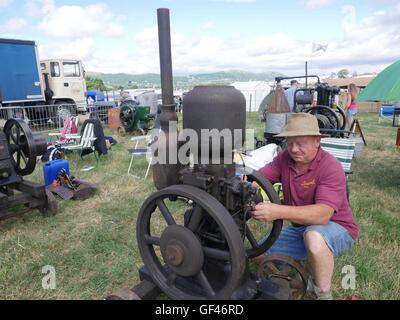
[165, 175]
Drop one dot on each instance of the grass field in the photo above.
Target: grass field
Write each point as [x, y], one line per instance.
[92, 243]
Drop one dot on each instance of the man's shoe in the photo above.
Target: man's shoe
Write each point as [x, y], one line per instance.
[316, 293]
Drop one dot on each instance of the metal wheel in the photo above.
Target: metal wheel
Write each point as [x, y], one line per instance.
[127, 115]
[326, 116]
[285, 267]
[63, 111]
[342, 117]
[269, 232]
[200, 259]
[21, 145]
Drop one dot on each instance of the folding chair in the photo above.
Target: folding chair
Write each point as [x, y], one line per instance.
[86, 141]
[70, 127]
[343, 150]
[140, 152]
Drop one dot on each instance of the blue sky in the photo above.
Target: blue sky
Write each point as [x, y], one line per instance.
[211, 35]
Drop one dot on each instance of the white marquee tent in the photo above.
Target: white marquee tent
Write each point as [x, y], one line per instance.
[254, 92]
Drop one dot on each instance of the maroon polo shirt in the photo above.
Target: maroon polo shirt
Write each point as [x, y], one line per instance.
[323, 183]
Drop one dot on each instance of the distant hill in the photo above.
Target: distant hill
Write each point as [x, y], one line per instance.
[151, 80]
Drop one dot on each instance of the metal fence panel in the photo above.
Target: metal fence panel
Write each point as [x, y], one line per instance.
[52, 117]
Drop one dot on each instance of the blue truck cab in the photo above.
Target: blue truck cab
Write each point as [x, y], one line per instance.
[20, 76]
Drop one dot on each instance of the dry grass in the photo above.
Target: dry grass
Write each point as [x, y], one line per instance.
[92, 243]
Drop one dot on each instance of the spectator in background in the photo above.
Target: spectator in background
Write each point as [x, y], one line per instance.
[351, 108]
[290, 92]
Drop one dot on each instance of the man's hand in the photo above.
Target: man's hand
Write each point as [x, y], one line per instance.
[254, 184]
[265, 211]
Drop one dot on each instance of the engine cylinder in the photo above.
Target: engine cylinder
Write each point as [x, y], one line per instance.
[216, 107]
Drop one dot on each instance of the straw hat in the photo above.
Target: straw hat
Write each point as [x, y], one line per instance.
[301, 124]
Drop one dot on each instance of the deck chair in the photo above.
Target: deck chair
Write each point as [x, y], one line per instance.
[70, 127]
[146, 151]
[86, 141]
[343, 150]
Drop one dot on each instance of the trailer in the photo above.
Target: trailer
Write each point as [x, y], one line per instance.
[25, 81]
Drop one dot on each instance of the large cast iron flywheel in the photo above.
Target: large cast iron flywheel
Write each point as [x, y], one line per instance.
[272, 230]
[24, 145]
[186, 260]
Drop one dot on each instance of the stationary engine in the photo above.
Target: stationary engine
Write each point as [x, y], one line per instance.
[195, 234]
[19, 149]
[134, 118]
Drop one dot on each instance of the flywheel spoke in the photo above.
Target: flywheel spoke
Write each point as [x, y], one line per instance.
[19, 159]
[23, 157]
[216, 254]
[13, 139]
[18, 134]
[273, 268]
[165, 212]
[206, 284]
[155, 241]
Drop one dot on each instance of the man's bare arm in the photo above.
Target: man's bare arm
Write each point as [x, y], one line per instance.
[310, 214]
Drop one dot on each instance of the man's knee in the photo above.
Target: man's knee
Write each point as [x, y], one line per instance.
[315, 242]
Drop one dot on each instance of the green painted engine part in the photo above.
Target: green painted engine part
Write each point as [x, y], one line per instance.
[134, 117]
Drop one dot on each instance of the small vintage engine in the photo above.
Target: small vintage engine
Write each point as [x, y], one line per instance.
[19, 149]
[134, 118]
[331, 118]
[195, 234]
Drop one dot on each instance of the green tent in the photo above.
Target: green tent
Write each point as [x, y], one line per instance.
[385, 87]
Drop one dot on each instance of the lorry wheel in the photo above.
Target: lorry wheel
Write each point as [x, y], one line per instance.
[63, 110]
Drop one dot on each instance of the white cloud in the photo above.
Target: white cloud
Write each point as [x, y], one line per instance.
[14, 25]
[314, 4]
[81, 49]
[39, 8]
[5, 3]
[75, 22]
[363, 45]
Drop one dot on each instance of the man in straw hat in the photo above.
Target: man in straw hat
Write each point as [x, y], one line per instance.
[315, 202]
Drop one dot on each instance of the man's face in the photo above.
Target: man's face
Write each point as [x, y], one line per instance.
[303, 149]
